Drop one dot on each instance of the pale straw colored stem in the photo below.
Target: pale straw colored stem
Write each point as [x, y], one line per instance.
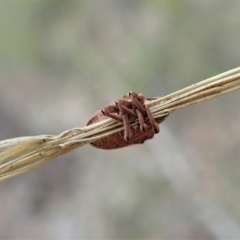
[19, 155]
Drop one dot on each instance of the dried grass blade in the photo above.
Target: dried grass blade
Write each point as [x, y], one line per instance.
[22, 154]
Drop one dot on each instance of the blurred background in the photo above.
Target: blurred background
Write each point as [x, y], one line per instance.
[61, 60]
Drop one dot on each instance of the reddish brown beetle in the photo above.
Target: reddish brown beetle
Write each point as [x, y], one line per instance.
[131, 108]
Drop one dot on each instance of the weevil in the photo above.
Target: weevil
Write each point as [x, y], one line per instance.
[129, 109]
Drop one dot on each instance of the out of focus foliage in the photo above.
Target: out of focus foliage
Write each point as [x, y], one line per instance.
[61, 60]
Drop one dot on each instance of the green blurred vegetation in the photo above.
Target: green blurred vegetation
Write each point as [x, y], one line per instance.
[61, 60]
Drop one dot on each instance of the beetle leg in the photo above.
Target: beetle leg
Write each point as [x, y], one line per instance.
[134, 96]
[153, 123]
[126, 111]
[127, 130]
[122, 109]
[125, 106]
[138, 101]
[110, 112]
[143, 125]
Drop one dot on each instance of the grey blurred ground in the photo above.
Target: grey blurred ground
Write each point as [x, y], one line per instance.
[62, 60]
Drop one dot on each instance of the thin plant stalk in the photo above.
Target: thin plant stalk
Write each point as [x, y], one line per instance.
[19, 155]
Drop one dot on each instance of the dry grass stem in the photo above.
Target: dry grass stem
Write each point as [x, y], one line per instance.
[19, 155]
